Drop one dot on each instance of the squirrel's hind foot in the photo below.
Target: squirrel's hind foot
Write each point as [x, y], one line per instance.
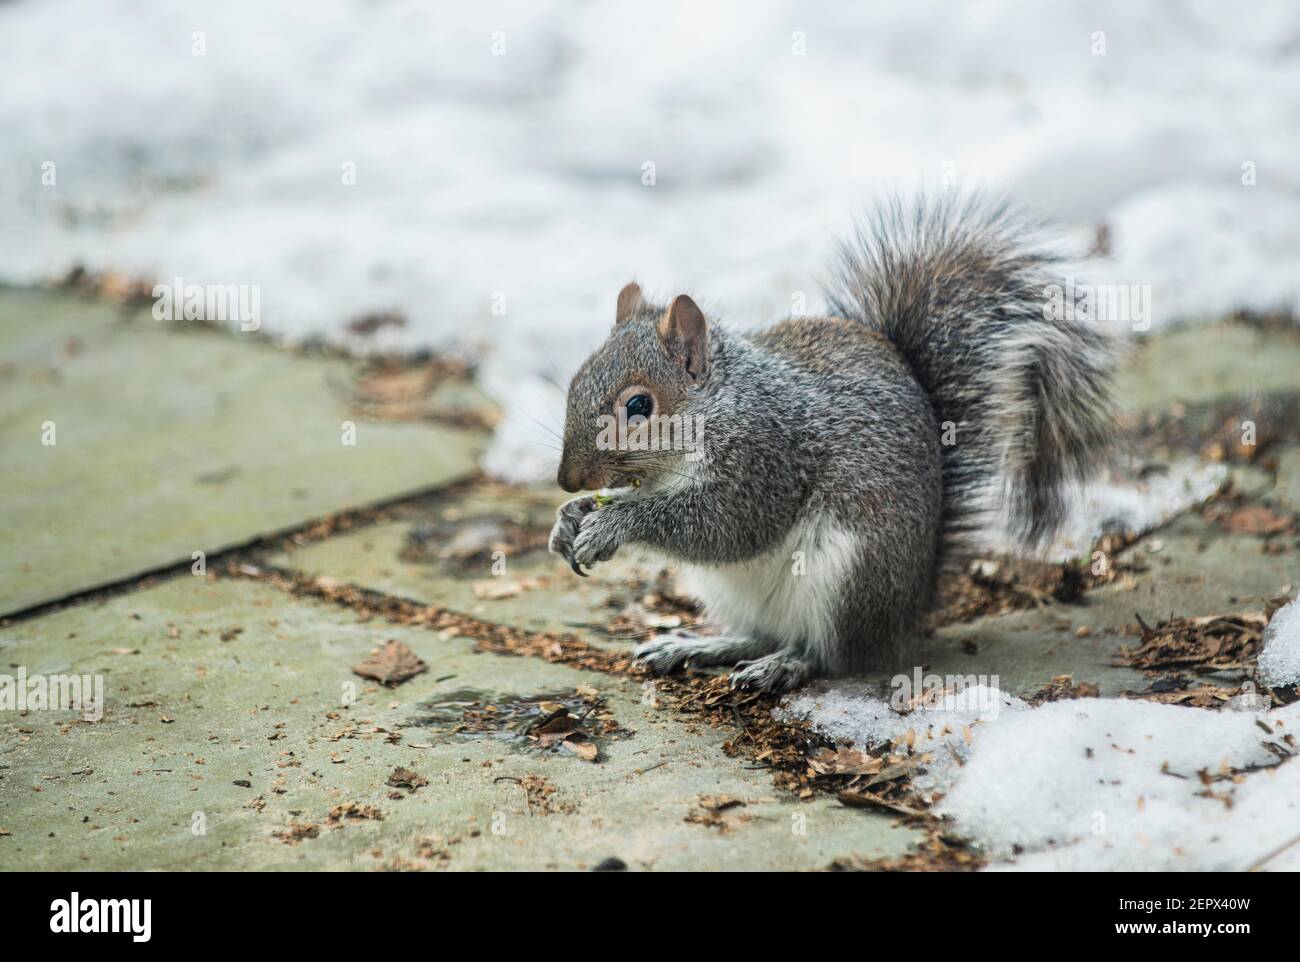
[671, 652]
[778, 672]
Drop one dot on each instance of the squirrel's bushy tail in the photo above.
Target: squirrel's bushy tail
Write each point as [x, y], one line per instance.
[961, 290]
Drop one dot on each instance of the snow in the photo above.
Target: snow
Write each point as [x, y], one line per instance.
[1111, 784]
[515, 181]
[941, 725]
[1100, 784]
[1279, 662]
[1111, 504]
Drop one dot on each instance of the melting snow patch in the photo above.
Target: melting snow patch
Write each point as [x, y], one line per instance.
[1107, 784]
[1279, 662]
[1132, 507]
[1094, 784]
[942, 721]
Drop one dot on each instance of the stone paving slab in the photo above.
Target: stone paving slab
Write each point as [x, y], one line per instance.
[551, 596]
[168, 443]
[190, 715]
[1206, 363]
[1193, 568]
[1288, 480]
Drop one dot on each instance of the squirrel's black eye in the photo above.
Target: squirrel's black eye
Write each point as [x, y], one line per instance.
[640, 406]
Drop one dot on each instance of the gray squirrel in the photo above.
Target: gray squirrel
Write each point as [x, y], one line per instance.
[841, 461]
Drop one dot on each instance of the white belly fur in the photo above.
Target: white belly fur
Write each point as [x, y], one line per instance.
[764, 597]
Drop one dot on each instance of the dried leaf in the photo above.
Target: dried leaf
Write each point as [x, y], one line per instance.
[405, 778]
[846, 761]
[719, 803]
[1257, 519]
[495, 589]
[857, 799]
[391, 665]
[587, 751]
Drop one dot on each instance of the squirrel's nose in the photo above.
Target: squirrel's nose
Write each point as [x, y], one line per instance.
[568, 479]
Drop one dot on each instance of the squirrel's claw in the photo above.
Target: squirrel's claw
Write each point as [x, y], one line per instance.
[568, 519]
[597, 539]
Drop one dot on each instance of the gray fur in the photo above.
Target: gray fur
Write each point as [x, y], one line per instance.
[823, 434]
[674, 650]
[960, 286]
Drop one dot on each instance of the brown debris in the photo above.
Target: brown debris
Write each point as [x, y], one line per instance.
[352, 811]
[296, 832]
[1258, 519]
[562, 727]
[400, 389]
[108, 286]
[844, 761]
[780, 745]
[1063, 687]
[863, 799]
[1208, 645]
[1211, 643]
[994, 586]
[540, 797]
[1214, 430]
[569, 722]
[709, 812]
[1178, 690]
[496, 589]
[391, 665]
[587, 751]
[719, 803]
[650, 608]
[937, 853]
[405, 778]
[890, 786]
[1274, 420]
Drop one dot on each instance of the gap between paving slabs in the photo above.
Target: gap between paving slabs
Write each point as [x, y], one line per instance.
[213, 439]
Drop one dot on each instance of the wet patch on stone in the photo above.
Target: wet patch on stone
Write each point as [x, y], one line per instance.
[577, 723]
[471, 543]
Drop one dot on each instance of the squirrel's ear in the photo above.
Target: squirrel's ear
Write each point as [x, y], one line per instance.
[629, 302]
[686, 334]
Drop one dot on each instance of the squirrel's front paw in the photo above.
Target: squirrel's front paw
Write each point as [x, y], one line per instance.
[568, 518]
[598, 537]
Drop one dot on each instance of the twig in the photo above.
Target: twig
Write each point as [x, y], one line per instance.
[741, 722]
[1273, 854]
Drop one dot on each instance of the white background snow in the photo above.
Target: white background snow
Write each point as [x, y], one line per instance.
[520, 176]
